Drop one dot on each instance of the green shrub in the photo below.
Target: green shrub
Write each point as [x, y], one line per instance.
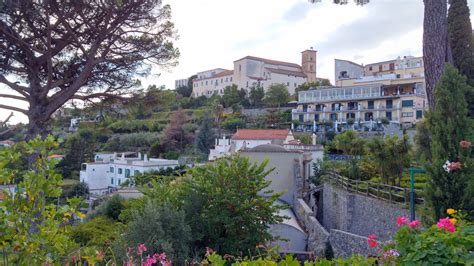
[98, 233]
[131, 126]
[131, 142]
[234, 123]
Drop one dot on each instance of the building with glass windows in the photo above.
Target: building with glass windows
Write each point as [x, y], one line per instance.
[367, 101]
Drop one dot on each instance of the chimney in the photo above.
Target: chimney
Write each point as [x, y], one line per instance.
[314, 139]
[139, 155]
[145, 158]
[123, 155]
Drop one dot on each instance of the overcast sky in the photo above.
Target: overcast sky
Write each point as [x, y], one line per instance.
[214, 33]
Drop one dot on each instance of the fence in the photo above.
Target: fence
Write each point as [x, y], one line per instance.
[392, 194]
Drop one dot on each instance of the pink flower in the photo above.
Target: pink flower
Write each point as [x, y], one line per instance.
[371, 240]
[161, 257]
[149, 261]
[209, 251]
[390, 253]
[446, 224]
[141, 248]
[414, 224]
[454, 166]
[465, 144]
[402, 220]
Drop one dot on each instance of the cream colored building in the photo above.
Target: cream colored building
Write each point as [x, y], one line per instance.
[393, 91]
[250, 71]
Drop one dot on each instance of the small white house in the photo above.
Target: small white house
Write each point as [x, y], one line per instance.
[110, 170]
[250, 138]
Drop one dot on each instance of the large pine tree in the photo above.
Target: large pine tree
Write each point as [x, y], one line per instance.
[205, 136]
[449, 125]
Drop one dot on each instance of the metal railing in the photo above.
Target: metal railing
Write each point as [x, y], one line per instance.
[392, 194]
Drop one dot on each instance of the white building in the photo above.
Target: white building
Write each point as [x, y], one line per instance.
[180, 83]
[212, 82]
[110, 170]
[250, 71]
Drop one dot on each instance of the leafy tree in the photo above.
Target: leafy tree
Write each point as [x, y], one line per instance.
[205, 136]
[162, 228]
[448, 125]
[422, 140]
[185, 91]
[351, 144]
[256, 95]
[391, 156]
[228, 205]
[34, 231]
[231, 96]
[174, 136]
[234, 123]
[96, 233]
[111, 208]
[277, 95]
[78, 50]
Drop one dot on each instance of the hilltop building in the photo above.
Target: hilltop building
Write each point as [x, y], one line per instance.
[110, 170]
[180, 83]
[250, 71]
[393, 91]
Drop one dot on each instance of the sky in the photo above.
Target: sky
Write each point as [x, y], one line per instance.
[215, 33]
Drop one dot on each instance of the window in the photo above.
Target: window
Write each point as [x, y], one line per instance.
[333, 117]
[111, 169]
[240, 67]
[112, 181]
[392, 66]
[389, 104]
[380, 68]
[127, 172]
[310, 67]
[388, 115]
[316, 117]
[120, 170]
[295, 84]
[407, 114]
[136, 172]
[407, 103]
[419, 114]
[288, 84]
[119, 182]
[222, 80]
[301, 118]
[230, 78]
[370, 68]
[206, 82]
[370, 105]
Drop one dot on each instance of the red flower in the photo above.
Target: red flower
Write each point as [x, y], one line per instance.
[402, 220]
[447, 224]
[465, 144]
[414, 224]
[371, 240]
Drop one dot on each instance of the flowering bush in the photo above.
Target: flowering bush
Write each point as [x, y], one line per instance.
[449, 242]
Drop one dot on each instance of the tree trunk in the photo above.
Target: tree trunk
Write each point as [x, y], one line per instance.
[38, 124]
[436, 50]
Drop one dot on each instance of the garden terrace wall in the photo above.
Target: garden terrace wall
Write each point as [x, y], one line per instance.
[358, 214]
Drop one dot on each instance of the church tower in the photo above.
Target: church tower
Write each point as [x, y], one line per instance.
[308, 64]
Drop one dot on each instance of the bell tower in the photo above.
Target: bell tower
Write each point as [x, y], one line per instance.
[308, 64]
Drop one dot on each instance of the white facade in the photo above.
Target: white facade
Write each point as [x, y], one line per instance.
[250, 71]
[111, 170]
[207, 84]
[180, 83]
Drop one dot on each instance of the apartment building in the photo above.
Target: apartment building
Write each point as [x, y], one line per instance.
[250, 71]
[110, 170]
[393, 91]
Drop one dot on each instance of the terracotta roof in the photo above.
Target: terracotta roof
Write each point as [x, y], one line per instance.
[269, 61]
[287, 72]
[254, 134]
[55, 156]
[7, 142]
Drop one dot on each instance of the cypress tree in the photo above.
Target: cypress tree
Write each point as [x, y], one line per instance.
[462, 45]
[448, 125]
[205, 136]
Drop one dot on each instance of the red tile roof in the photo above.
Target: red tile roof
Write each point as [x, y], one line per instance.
[262, 134]
[287, 72]
[218, 75]
[269, 61]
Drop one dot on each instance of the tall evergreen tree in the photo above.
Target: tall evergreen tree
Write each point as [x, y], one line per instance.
[449, 125]
[462, 46]
[205, 136]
